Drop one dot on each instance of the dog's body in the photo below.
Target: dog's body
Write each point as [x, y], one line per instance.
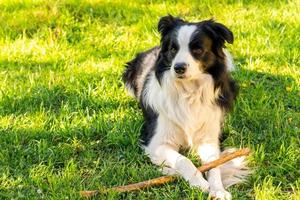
[184, 89]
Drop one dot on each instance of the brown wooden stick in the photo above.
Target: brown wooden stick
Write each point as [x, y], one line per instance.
[165, 179]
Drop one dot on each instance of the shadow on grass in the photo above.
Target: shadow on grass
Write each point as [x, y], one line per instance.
[54, 100]
[265, 96]
[276, 88]
[267, 109]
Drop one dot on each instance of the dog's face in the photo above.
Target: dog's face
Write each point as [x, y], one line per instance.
[190, 49]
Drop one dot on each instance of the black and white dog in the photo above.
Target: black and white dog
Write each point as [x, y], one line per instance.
[184, 88]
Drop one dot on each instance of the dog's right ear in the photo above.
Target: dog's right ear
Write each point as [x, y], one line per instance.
[167, 23]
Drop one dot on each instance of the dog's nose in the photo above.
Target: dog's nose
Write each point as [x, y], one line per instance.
[180, 68]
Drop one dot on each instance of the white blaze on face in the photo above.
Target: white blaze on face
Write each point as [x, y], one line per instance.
[184, 55]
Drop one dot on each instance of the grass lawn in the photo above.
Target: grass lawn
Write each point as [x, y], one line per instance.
[66, 123]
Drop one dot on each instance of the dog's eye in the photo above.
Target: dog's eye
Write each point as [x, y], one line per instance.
[173, 50]
[197, 51]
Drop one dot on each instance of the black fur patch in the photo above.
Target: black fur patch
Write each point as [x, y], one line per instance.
[228, 87]
[167, 26]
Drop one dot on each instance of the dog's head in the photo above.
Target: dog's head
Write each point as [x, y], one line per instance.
[190, 49]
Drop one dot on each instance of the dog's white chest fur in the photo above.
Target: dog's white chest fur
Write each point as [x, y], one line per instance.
[189, 105]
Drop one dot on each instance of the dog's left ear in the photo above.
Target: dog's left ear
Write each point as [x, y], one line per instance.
[167, 24]
[219, 32]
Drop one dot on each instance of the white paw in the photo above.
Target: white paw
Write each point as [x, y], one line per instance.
[169, 171]
[220, 194]
[199, 182]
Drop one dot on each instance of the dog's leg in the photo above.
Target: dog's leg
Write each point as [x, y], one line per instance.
[163, 150]
[209, 152]
[168, 155]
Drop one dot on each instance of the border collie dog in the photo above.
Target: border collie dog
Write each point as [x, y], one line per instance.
[184, 88]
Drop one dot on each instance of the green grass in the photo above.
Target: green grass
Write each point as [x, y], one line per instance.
[66, 123]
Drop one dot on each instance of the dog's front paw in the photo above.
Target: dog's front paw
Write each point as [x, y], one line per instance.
[220, 194]
[169, 171]
[199, 182]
